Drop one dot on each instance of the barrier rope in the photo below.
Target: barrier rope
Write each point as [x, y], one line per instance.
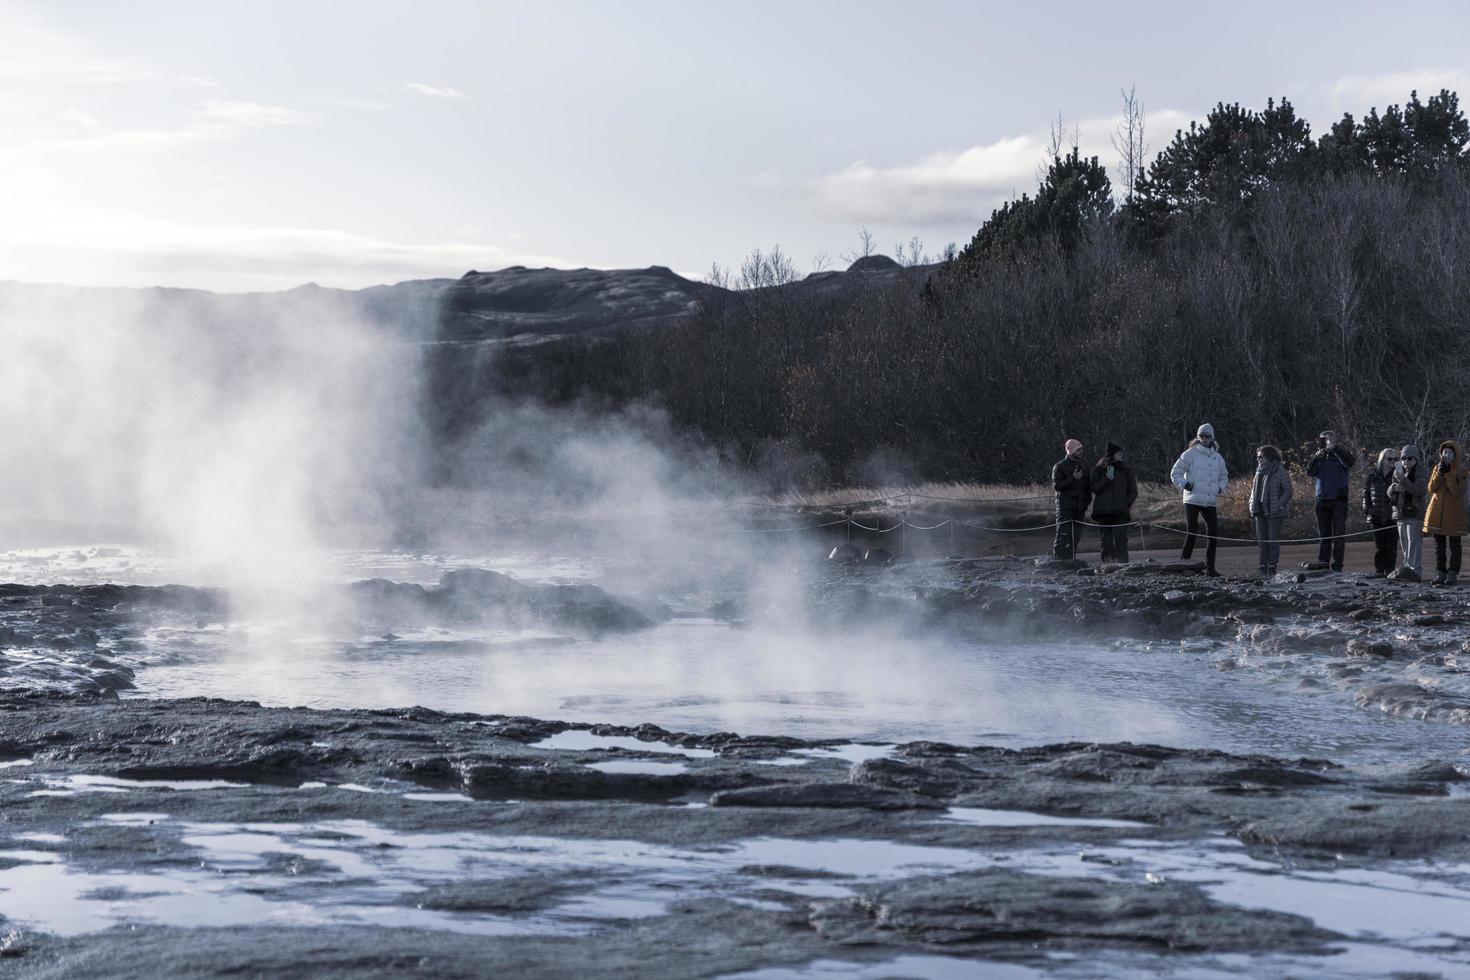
[904, 522]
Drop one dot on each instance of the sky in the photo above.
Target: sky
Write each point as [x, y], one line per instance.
[255, 145]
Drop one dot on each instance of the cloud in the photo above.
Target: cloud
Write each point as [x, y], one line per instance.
[948, 187]
[434, 91]
[249, 115]
[1358, 93]
[83, 249]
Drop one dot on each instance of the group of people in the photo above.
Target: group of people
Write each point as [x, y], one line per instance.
[1403, 499]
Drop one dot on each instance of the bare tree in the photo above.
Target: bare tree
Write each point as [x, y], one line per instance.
[821, 262]
[1059, 142]
[911, 253]
[1128, 141]
[866, 247]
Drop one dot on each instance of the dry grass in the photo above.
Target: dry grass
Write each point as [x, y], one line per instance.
[941, 496]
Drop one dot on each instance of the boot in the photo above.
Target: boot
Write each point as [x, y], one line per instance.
[1451, 579]
[1270, 569]
[1439, 578]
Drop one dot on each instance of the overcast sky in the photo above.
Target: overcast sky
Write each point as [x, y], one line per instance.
[262, 144]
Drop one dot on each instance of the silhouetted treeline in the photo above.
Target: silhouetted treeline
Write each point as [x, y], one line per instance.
[1254, 278]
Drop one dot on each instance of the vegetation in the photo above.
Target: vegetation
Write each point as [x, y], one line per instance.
[1253, 277]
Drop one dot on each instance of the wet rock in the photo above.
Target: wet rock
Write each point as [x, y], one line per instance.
[847, 553]
[842, 795]
[1060, 564]
[877, 556]
[992, 906]
[1360, 647]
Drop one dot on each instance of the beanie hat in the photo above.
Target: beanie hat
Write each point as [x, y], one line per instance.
[1113, 449]
[1409, 452]
[1072, 445]
[1206, 430]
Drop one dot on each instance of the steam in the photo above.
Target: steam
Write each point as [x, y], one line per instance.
[240, 434]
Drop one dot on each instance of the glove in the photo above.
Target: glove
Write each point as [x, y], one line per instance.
[1188, 486]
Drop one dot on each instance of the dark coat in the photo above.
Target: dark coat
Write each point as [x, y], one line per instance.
[1113, 497]
[1329, 468]
[1377, 504]
[1069, 479]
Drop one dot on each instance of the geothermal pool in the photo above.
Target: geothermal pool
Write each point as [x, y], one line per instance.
[873, 681]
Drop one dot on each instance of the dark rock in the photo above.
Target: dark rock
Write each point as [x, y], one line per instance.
[1359, 647]
[984, 907]
[845, 795]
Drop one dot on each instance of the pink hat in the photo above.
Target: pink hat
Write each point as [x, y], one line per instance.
[1072, 446]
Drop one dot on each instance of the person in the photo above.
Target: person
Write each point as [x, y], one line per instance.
[1270, 500]
[1408, 490]
[1069, 479]
[1329, 468]
[1444, 513]
[1200, 472]
[1378, 508]
[1114, 489]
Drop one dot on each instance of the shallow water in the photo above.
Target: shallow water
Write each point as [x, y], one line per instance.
[705, 676]
[357, 872]
[876, 681]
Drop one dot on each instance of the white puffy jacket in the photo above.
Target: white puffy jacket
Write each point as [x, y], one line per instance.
[1205, 468]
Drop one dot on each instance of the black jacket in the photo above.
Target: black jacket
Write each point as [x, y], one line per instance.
[1113, 498]
[1377, 504]
[1069, 479]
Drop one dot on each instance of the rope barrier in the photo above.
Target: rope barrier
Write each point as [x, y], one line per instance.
[954, 522]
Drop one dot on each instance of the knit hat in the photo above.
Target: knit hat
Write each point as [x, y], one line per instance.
[1409, 452]
[1072, 445]
[1205, 430]
[1113, 449]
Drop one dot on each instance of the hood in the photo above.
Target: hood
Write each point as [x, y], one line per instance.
[1455, 445]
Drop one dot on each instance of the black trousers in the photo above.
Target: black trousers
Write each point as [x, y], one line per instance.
[1331, 523]
[1069, 532]
[1440, 540]
[1385, 547]
[1114, 538]
[1192, 515]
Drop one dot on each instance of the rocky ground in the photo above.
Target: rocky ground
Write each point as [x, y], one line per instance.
[147, 837]
[189, 765]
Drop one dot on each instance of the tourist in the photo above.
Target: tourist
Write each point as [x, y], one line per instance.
[1069, 478]
[1114, 489]
[1378, 508]
[1444, 514]
[1329, 468]
[1200, 472]
[1270, 500]
[1407, 491]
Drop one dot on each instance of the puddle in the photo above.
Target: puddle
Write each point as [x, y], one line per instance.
[1021, 818]
[583, 741]
[908, 967]
[637, 767]
[356, 872]
[76, 785]
[852, 753]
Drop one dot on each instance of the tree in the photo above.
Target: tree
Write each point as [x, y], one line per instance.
[1074, 192]
[1129, 143]
[1222, 164]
